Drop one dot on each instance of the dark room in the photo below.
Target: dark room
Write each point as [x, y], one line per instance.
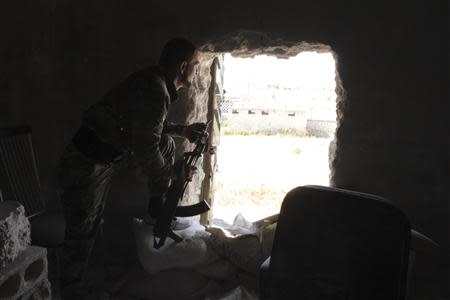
[224, 150]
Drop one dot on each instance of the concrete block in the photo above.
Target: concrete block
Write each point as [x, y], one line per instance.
[42, 291]
[25, 275]
[14, 231]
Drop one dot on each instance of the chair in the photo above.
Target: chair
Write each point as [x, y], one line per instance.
[337, 244]
[19, 181]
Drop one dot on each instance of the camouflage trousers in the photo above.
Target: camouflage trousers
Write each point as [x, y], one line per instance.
[85, 184]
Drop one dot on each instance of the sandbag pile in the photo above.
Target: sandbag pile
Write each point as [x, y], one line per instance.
[207, 263]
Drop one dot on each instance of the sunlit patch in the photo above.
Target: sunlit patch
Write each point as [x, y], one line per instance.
[278, 119]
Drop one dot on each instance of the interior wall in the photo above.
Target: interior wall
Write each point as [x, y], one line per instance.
[59, 56]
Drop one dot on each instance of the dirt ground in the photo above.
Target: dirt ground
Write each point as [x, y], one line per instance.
[255, 172]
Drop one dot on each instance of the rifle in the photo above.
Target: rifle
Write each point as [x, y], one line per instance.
[175, 194]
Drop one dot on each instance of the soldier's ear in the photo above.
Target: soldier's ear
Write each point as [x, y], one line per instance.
[183, 67]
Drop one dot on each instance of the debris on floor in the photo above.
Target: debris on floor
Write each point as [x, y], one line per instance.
[220, 261]
[23, 268]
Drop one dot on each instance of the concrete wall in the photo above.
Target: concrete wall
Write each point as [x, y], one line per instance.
[59, 56]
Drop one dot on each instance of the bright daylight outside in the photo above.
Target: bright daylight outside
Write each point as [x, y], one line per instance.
[278, 117]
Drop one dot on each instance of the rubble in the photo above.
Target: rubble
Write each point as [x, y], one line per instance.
[14, 231]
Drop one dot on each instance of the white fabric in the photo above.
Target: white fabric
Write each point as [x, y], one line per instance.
[204, 260]
[240, 226]
[192, 252]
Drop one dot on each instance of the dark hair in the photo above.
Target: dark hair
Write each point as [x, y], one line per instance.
[176, 51]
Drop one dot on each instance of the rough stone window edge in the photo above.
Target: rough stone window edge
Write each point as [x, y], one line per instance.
[247, 43]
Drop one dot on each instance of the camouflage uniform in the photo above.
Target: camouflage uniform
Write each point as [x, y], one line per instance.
[128, 125]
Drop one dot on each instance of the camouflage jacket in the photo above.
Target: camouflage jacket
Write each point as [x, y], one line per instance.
[132, 116]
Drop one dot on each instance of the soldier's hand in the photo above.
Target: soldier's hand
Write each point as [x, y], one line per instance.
[195, 131]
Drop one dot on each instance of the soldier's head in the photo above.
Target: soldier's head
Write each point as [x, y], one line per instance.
[180, 59]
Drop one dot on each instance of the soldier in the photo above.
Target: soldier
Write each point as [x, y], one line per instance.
[128, 124]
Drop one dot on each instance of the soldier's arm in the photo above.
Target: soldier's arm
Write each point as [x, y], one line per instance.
[148, 109]
[191, 132]
[173, 128]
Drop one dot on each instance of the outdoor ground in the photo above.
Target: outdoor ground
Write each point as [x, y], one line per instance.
[255, 172]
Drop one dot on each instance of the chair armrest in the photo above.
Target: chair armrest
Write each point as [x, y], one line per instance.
[264, 278]
[422, 243]
[265, 266]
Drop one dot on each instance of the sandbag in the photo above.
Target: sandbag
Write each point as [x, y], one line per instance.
[244, 251]
[192, 252]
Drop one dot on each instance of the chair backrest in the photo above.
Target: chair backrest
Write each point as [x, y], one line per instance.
[19, 179]
[338, 244]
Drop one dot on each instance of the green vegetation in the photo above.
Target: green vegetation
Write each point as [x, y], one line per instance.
[267, 132]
